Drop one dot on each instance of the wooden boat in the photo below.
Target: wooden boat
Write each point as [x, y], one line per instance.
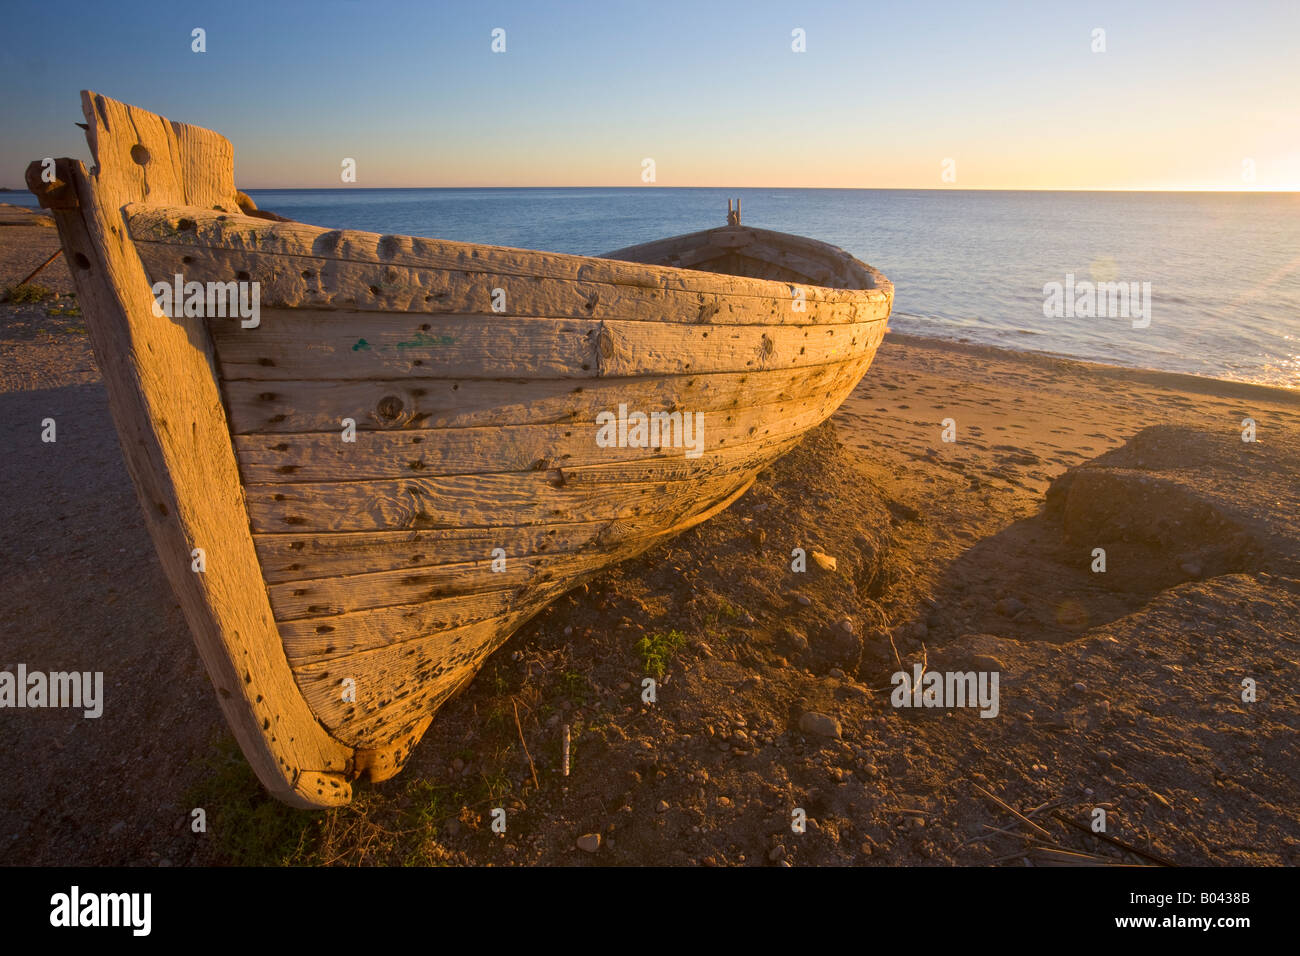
[358, 497]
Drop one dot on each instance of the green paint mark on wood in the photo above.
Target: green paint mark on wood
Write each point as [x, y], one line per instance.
[422, 340]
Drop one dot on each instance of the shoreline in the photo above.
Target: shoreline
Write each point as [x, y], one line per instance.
[1184, 381]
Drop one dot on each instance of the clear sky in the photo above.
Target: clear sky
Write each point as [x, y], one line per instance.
[1187, 94]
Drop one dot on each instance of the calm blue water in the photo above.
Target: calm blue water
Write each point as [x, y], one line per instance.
[1223, 268]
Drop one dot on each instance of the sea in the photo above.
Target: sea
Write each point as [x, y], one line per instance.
[1210, 281]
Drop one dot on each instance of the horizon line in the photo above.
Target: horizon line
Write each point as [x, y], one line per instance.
[934, 189]
[937, 189]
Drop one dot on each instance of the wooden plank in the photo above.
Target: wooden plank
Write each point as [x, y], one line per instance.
[328, 637]
[288, 405]
[268, 459]
[287, 281]
[306, 344]
[468, 501]
[294, 557]
[342, 594]
[221, 231]
[176, 442]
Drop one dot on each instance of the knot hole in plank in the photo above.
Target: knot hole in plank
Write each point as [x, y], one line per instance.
[605, 349]
[389, 409]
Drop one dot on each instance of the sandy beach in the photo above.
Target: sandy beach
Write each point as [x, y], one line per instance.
[1120, 690]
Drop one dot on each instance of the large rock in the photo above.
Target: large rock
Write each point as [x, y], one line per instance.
[819, 725]
[1176, 504]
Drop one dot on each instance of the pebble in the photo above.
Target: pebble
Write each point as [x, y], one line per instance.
[803, 599]
[1009, 606]
[1080, 686]
[837, 673]
[661, 806]
[776, 853]
[822, 725]
[589, 842]
[824, 561]
[845, 625]
[458, 765]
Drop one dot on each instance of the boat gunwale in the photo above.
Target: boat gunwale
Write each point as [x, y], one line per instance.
[621, 273]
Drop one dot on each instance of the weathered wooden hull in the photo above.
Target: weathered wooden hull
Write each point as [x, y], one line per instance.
[401, 457]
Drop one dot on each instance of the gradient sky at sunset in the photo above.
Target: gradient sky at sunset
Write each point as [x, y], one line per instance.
[1185, 93]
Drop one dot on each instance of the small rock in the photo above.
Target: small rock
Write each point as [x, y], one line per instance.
[1080, 686]
[987, 662]
[568, 631]
[822, 725]
[823, 561]
[661, 806]
[837, 673]
[589, 842]
[803, 600]
[458, 765]
[845, 625]
[776, 854]
[1009, 606]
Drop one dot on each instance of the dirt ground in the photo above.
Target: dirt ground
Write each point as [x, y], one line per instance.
[1119, 690]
